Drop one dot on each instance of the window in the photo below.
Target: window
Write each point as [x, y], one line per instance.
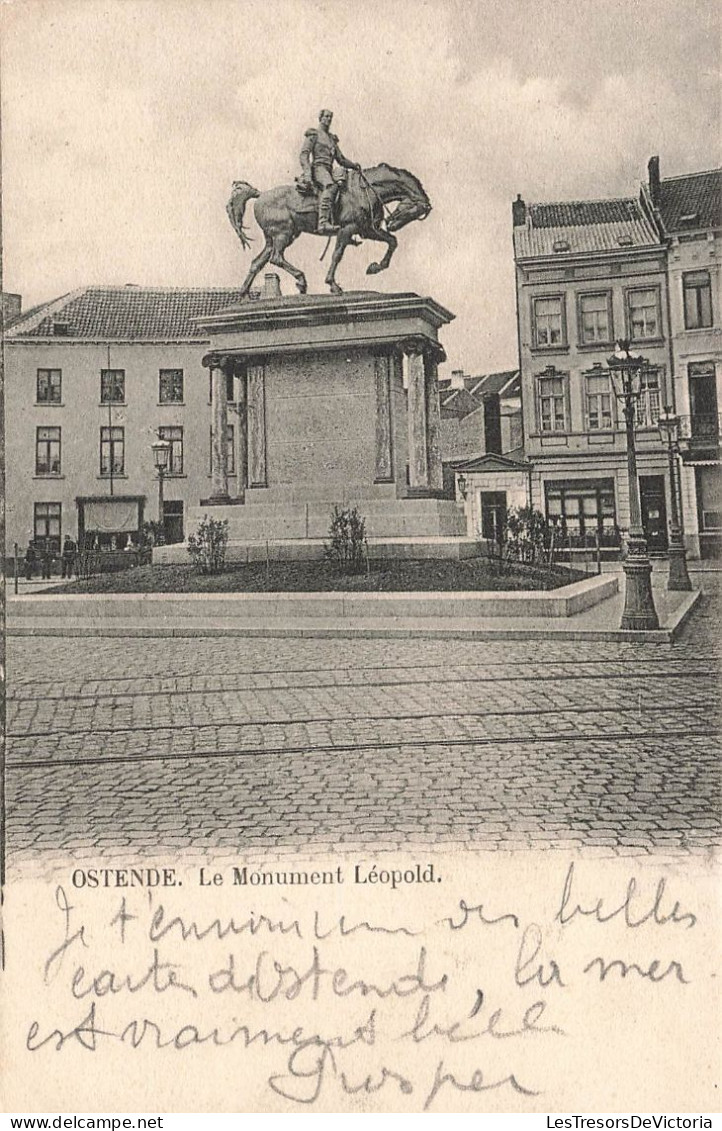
[697, 291]
[47, 451]
[646, 411]
[703, 403]
[583, 511]
[170, 386]
[552, 402]
[112, 386]
[231, 450]
[174, 436]
[46, 524]
[549, 328]
[112, 451]
[643, 314]
[598, 402]
[49, 386]
[595, 319]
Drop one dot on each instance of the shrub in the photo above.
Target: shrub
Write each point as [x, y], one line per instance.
[207, 547]
[347, 540]
[152, 534]
[526, 530]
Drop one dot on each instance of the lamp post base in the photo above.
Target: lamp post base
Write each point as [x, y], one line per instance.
[639, 611]
[678, 576]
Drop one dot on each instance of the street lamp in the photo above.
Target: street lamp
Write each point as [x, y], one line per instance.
[626, 369]
[669, 431]
[161, 454]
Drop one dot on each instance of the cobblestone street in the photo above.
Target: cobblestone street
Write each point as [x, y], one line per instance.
[123, 746]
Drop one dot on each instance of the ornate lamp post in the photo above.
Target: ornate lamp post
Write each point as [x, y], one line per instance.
[678, 576]
[161, 454]
[626, 371]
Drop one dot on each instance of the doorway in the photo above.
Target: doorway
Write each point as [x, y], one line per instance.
[654, 512]
[173, 521]
[493, 515]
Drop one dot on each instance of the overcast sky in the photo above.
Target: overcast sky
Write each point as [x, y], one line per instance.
[125, 122]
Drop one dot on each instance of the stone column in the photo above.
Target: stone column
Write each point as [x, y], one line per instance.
[433, 425]
[384, 472]
[220, 366]
[256, 428]
[418, 440]
[242, 438]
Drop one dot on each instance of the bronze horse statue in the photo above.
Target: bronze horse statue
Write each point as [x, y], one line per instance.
[283, 214]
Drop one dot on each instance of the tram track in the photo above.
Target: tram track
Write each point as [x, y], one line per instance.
[340, 748]
[412, 679]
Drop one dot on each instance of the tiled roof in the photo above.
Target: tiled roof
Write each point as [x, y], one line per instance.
[460, 402]
[490, 383]
[127, 313]
[457, 403]
[697, 196]
[582, 226]
[577, 213]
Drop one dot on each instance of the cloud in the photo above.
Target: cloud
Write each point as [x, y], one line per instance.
[125, 123]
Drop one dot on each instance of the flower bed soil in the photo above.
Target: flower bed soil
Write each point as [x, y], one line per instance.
[320, 577]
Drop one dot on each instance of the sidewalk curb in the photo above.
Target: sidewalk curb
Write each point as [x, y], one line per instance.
[393, 628]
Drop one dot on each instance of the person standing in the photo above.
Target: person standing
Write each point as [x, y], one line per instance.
[31, 558]
[46, 560]
[68, 559]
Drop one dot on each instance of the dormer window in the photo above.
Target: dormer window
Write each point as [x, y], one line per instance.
[61, 329]
[624, 241]
[561, 245]
[690, 219]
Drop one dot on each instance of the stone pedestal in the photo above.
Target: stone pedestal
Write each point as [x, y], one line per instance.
[338, 404]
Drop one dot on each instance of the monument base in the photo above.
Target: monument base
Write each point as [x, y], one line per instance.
[385, 517]
[312, 549]
[336, 405]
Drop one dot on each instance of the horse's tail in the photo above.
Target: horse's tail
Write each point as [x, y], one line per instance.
[242, 193]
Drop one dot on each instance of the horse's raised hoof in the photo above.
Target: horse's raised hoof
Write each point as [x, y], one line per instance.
[373, 268]
[335, 289]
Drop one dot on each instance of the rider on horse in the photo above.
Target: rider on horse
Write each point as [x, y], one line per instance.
[319, 152]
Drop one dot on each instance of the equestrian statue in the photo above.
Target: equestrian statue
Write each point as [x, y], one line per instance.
[332, 197]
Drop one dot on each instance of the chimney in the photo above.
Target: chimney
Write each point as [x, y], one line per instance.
[518, 212]
[271, 285]
[457, 378]
[653, 175]
[12, 307]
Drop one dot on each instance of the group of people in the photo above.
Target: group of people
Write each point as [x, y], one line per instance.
[41, 556]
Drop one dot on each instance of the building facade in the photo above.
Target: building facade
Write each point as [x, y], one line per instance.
[482, 446]
[589, 273]
[689, 213]
[92, 379]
